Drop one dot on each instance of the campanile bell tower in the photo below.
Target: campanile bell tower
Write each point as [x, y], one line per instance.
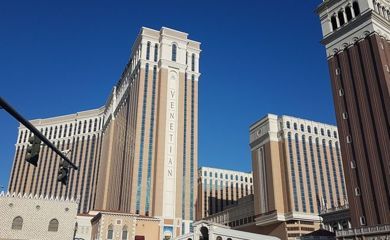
[356, 36]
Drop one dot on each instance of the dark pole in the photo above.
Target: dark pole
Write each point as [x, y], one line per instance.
[27, 124]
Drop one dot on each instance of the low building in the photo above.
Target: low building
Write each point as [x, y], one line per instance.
[209, 230]
[336, 218]
[219, 189]
[84, 226]
[372, 232]
[36, 217]
[239, 215]
[126, 226]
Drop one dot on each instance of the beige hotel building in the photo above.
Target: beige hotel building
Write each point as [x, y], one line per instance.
[138, 153]
[297, 171]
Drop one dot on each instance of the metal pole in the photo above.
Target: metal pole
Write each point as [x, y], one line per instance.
[36, 132]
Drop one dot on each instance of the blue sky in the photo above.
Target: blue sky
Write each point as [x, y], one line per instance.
[258, 57]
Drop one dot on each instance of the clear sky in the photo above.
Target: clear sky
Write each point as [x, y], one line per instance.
[258, 57]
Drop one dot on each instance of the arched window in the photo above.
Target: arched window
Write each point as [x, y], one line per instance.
[110, 232]
[302, 128]
[219, 238]
[315, 130]
[335, 134]
[95, 125]
[288, 124]
[85, 126]
[148, 51]
[155, 52]
[193, 62]
[17, 223]
[174, 52]
[205, 233]
[124, 233]
[53, 225]
[328, 132]
[308, 129]
[341, 18]
[21, 137]
[65, 129]
[356, 8]
[295, 126]
[334, 23]
[348, 12]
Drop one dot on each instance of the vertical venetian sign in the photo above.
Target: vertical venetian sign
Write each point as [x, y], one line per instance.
[171, 145]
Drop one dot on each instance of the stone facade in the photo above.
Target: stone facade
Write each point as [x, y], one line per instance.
[28, 217]
[123, 226]
[209, 230]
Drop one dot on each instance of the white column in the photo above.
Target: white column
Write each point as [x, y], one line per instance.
[345, 16]
[352, 11]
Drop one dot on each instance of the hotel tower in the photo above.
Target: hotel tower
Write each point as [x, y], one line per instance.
[139, 152]
[297, 173]
[356, 36]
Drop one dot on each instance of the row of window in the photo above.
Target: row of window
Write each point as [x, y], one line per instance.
[343, 16]
[110, 233]
[17, 224]
[382, 10]
[323, 155]
[308, 129]
[221, 176]
[62, 131]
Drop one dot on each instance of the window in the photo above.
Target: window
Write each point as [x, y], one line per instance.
[353, 165]
[219, 238]
[315, 130]
[349, 139]
[362, 220]
[322, 132]
[357, 191]
[205, 173]
[341, 92]
[110, 232]
[295, 126]
[155, 52]
[308, 129]
[124, 233]
[356, 8]
[174, 52]
[148, 51]
[53, 225]
[348, 12]
[328, 132]
[334, 23]
[335, 134]
[288, 125]
[193, 62]
[341, 18]
[302, 128]
[345, 115]
[17, 223]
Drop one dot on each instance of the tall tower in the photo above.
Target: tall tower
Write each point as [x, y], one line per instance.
[149, 156]
[356, 36]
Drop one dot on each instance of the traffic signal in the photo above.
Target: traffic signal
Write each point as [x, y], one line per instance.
[63, 172]
[33, 149]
